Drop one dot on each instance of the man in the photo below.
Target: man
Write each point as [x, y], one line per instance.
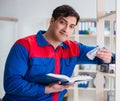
[47, 52]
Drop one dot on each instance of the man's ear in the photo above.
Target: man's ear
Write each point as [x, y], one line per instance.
[52, 20]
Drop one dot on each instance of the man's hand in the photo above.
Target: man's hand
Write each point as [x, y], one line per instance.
[105, 55]
[56, 87]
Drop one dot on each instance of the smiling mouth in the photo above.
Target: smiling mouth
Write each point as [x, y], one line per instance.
[65, 35]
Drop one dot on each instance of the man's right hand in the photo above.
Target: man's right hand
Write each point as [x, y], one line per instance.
[56, 87]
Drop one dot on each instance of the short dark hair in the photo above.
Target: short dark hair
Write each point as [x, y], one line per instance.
[65, 11]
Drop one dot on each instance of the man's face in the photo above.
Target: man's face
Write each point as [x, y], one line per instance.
[63, 28]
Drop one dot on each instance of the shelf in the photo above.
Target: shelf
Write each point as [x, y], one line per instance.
[88, 71]
[106, 89]
[87, 36]
[94, 36]
[107, 74]
[108, 16]
[107, 36]
[8, 19]
[91, 89]
[86, 89]
[88, 19]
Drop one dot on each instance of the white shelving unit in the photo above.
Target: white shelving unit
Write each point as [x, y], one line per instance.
[101, 17]
[101, 89]
[117, 94]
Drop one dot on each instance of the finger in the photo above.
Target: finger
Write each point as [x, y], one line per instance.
[105, 51]
[105, 58]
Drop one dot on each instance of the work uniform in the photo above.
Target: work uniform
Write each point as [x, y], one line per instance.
[33, 55]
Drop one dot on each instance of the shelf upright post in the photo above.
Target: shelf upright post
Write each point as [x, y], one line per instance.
[111, 35]
[100, 22]
[76, 93]
[100, 41]
[117, 94]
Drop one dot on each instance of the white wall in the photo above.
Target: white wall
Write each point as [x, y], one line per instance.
[7, 33]
[35, 14]
[32, 14]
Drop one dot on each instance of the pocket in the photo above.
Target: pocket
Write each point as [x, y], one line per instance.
[69, 62]
[41, 65]
[67, 66]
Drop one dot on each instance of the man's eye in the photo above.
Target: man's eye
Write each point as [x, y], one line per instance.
[72, 27]
[62, 22]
